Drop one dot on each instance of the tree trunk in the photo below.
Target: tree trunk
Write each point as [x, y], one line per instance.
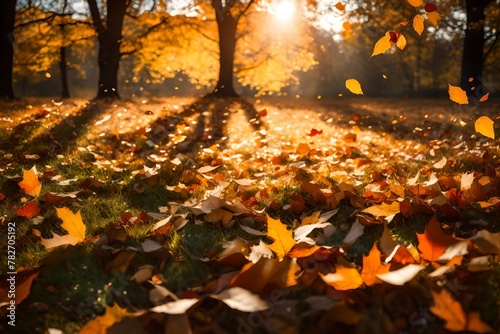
[226, 25]
[109, 38]
[64, 73]
[7, 19]
[472, 58]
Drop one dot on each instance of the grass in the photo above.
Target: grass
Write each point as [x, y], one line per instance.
[122, 166]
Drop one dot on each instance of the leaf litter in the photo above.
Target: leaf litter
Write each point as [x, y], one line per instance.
[385, 199]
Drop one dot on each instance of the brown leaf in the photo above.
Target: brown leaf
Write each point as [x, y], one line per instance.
[22, 281]
[28, 210]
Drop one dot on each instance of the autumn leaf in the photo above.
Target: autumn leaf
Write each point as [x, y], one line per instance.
[484, 98]
[433, 242]
[28, 210]
[372, 265]
[433, 17]
[59, 240]
[383, 210]
[415, 3]
[344, 278]
[484, 125]
[101, 324]
[30, 183]
[283, 237]
[401, 43]
[340, 6]
[23, 280]
[72, 223]
[401, 276]
[450, 310]
[382, 45]
[354, 86]
[418, 24]
[430, 7]
[457, 95]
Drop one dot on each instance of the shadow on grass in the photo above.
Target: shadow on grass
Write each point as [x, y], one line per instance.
[204, 122]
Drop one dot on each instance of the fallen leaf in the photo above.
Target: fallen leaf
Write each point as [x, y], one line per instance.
[372, 265]
[30, 184]
[28, 210]
[242, 300]
[354, 86]
[101, 324]
[23, 280]
[59, 240]
[383, 210]
[72, 223]
[344, 278]
[484, 125]
[433, 242]
[176, 307]
[283, 237]
[450, 310]
[401, 276]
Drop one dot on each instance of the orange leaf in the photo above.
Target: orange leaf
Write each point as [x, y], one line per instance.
[283, 238]
[415, 3]
[354, 86]
[457, 94]
[484, 98]
[433, 242]
[484, 125]
[72, 223]
[449, 310]
[340, 6]
[382, 45]
[383, 210]
[401, 43]
[101, 324]
[263, 113]
[476, 325]
[30, 184]
[303, 250]
[418, 24]
[344, 278]
[433, 17]
[372, 266]
[28, 210]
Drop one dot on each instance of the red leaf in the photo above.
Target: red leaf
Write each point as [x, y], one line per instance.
[430, 7]
[394, 36]
[262, 113]
[28, 210]
[2, 197]
[315, 132]
[485, 97]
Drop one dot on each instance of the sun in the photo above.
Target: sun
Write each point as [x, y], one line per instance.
[284, 10]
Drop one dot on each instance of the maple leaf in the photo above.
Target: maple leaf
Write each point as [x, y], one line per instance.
[383, 210]
[484, 125]
[283, 237]
[457, 94]
[372, 266]
[72, 223]
[344, 278]
[30, 183]
[101, 324]
[28, 210]
[354, 86]
[418, 24]
[433, 242]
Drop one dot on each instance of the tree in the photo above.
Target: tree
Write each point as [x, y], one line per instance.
[109, 36]
[474, 41]
[7, 19]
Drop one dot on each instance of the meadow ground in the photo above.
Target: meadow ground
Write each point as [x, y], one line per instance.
[188, 206]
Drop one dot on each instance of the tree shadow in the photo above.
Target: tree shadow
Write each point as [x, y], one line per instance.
[203, 123]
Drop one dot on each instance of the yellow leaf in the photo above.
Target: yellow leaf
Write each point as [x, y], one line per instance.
[433, 17]
[30, 184]
[418, 24]
[72, 223]
[401, 43]
[484, 125]
[383, 210]
[283, 239]
[354, 86]
[344, 278]
[101, 324]
[373, 266]
[382, 45]
[457, 95]
[415, 3]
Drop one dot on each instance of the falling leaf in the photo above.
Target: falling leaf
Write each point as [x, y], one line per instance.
[28, 210]
[434, 17]
[283, 237]
[401, 276]
[72, 223]
[30, 183]
[372, 265]
[457, 95]
[383, 210]
[344, 278]
[262, 113]
[382, 45]
[315, 132]
[418, 24]
[415, 3]
[340, 6]
[433, 242]
[354, 86]
[484, 125]
[484, 98]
